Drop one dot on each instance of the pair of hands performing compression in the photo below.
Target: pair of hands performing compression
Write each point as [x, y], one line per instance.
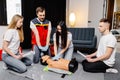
[56, 57]
[43, 48]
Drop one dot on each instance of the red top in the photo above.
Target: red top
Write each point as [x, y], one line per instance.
[42, 31]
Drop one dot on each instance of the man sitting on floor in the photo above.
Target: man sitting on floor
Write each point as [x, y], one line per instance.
[104, 58]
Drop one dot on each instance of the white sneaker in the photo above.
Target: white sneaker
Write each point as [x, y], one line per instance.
[112, 70]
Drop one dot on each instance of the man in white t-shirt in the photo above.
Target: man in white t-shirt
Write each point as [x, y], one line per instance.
[104, 58]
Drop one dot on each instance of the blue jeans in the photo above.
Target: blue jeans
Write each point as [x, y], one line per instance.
[16, 64]
[37, 55]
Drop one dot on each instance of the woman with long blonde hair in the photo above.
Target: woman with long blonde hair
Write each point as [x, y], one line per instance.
[12, 55]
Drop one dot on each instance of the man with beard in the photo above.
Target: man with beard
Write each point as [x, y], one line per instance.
[41, 29]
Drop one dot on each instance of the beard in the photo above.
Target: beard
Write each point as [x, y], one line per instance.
[42, 19]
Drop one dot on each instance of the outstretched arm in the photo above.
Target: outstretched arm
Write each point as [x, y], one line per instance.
[105, 56]
[48, 35]
[35, 31]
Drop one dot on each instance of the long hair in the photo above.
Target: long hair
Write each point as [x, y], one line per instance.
[63, 34]
[13, 23]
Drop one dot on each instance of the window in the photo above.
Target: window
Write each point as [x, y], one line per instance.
[13, 7]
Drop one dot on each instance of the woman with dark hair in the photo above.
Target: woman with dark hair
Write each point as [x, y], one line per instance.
[63, 46]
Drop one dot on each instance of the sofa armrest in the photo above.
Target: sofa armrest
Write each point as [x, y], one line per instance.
[94, 42]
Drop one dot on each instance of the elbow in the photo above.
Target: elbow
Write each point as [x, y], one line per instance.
[66, 48]
[107, 57]
[4, 48]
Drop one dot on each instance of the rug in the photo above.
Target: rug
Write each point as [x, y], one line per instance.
[111, 76]
[35, 72]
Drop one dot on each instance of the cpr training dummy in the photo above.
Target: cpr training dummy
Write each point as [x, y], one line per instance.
[60, 66]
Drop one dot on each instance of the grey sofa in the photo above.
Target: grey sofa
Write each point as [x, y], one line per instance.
[84, 37]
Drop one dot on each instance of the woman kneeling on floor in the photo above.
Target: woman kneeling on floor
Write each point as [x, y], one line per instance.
[12, 55]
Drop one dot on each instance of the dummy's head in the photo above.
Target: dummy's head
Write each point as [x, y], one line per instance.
[43, 63]
[73, 65]
[44, 59]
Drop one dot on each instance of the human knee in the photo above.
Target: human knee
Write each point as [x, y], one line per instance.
[86, 67]
[22, 69]
[26, 61]
[36, 58]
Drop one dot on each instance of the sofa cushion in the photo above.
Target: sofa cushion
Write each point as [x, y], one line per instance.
[83, 37]
[85, 42]
[82, 33]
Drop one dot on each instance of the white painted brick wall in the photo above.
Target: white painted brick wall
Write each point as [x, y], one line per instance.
[2, 31]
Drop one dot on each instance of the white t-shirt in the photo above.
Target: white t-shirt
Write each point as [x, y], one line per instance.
[12, 36]
[32, 25]
[69, 37]
[107, 41]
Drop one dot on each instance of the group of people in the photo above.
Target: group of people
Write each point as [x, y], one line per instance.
[100, 61]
